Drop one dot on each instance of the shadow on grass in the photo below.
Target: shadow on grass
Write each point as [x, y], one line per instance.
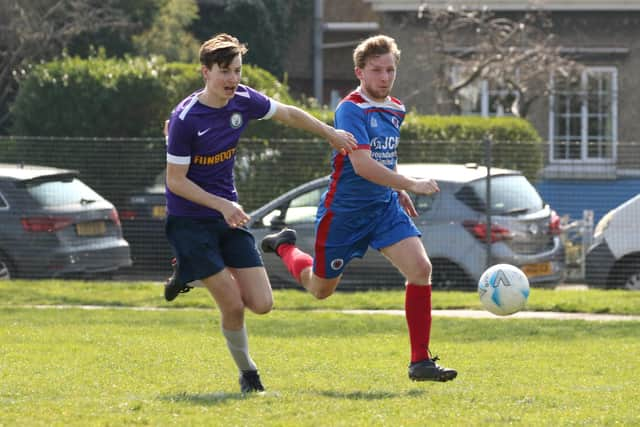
[370, 395]
[203, 398]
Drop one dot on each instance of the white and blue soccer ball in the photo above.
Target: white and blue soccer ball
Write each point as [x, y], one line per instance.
[503, 289]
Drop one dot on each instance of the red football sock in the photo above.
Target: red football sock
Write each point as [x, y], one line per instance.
[294, 259]
[417, 307]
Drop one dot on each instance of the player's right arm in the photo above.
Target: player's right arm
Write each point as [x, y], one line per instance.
[371, 170]
[353, 119]
[180, 184]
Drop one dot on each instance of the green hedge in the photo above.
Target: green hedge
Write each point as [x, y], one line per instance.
[459, 139]
[104, 97]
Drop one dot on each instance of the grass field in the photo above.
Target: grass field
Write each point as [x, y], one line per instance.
[123, 365]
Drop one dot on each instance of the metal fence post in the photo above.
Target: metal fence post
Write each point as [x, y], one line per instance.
[587, 239]
[487, 161]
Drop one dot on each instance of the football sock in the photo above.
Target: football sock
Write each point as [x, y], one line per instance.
[417, 307]
[238, 344]
[294, 259]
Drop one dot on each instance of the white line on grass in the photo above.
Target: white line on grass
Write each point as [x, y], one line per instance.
[473, 314]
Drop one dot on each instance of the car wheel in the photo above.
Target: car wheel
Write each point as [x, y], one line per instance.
[633, 282]
[448, 276]
[625, 274]
[6, 268]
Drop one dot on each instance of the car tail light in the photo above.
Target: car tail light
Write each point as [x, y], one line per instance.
[113, 216]
[554, 224]
[46, 224]
[128, 214]
[479, 231]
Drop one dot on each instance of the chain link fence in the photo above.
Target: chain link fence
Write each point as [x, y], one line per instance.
[129, 174]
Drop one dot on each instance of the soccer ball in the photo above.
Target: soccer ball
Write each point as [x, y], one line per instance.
[503, 289]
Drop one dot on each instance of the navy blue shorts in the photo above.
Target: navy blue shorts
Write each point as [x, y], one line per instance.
[205, 246]
[340, 237]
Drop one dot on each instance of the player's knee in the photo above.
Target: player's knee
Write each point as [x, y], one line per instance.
[234, 310]
[421, 271]
[322, 293]
[262, 307]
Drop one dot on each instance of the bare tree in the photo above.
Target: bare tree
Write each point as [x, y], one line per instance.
[516, 55]
[36, 30]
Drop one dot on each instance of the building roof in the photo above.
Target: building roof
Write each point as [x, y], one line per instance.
[507, 5]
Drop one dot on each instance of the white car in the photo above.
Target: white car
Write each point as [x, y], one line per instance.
[613, 260]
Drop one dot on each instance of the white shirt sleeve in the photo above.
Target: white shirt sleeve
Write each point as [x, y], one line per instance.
[273, 107]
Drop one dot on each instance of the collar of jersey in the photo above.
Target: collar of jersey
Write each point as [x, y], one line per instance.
[372, 102]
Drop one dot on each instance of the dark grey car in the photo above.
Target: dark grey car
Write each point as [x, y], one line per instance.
[524, 230]
[53, 225]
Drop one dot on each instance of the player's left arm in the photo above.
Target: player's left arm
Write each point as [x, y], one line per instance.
[295, 117]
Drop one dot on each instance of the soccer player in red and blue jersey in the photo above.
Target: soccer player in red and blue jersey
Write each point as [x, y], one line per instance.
[367, 204]
[205, 223]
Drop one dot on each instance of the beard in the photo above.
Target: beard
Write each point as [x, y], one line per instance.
[376, 94]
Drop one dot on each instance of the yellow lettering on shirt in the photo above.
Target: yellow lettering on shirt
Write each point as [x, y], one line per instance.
[215, 158]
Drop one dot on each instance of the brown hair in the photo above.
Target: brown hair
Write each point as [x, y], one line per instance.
[375, 46]
[221, 49]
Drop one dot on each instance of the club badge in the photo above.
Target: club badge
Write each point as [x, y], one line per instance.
[236, 120]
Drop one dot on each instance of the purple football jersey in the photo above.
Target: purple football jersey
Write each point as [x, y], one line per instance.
[205, 138]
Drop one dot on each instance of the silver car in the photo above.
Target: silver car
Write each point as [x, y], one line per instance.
[524, 230]
[52, 225]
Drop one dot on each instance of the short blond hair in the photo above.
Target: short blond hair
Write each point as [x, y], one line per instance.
[221, 49]
[375, 46]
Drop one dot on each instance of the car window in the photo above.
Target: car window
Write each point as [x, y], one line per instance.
[62, 192]
[303, 208]
[266, 220]
[510, 194]
[423, 203]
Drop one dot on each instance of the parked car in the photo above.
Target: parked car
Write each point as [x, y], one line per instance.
[613, 259]
[524, 230]
[143, 217]
[53, 225]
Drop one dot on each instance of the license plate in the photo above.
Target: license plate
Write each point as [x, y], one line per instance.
[540, 269]
[159, 211]
[94, 228]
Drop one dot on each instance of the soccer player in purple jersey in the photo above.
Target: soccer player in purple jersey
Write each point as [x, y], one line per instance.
[205, 223]
[367, 204]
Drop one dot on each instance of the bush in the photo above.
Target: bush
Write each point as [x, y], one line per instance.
[90, 98]
[459, 139]
[101, 97]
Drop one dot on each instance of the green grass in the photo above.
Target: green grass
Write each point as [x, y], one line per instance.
[148, 294]
[117, 366]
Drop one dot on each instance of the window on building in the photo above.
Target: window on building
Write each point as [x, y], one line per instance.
[583, 116]
[482, 98]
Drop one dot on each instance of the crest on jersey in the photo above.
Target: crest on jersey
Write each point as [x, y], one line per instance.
[337, 263]
[395, 122]
[374, 122]
[236, 120]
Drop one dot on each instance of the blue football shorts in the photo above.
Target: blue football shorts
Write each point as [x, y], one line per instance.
[341, 237]
[205, 246]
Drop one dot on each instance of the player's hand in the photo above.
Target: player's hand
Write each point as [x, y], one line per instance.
[424, 186]
[234, 215]
[407, 203]
[343, 141]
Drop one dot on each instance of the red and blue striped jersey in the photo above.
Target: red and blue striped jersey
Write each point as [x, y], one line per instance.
[376, 127]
